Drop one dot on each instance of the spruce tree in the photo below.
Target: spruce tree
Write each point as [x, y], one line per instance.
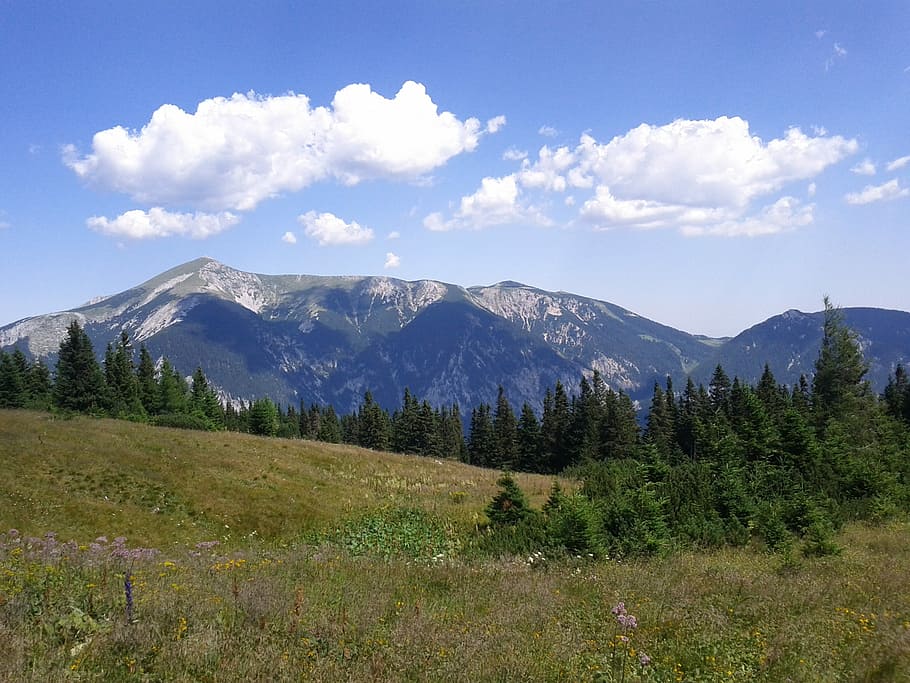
[78, 384]
[505, 429]
[12, 383]
[838, 387]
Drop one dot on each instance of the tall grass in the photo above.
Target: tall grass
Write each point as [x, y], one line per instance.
[380, 591]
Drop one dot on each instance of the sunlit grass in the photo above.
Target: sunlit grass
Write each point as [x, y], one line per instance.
[313, 596]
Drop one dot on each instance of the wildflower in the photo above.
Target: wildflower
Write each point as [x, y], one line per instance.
[619, 609]
[644, 659]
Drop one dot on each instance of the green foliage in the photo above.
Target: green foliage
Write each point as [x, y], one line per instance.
[79, 384]
[182, 421]
[397, 532]
[509, 506]
[264, 418]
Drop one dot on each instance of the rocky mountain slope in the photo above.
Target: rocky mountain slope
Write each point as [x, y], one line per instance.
[329, 339]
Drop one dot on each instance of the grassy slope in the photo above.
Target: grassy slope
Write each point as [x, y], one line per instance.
[84, 477]
[259, 612]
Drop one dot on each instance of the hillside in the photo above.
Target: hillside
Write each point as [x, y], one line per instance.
[282, 604]
[85, 477]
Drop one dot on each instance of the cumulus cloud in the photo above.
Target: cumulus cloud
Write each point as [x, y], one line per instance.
[811, 190]
[330, 230]
[392, 261]
[782, 216]
[697, 174]
[898, 163]
[704, 176]
[233, 153]
[289, 237]
[547, 131]
[496, 123]
[157, 222]
[394, 235]
[878, 193]
[496, 202]
[864, 167]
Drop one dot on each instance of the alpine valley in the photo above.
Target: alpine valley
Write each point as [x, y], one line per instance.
[330, 339]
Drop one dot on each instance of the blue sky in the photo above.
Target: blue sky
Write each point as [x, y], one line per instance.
[707, 165]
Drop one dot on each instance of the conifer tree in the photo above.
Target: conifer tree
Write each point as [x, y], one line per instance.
[505, 429]
[38, 386]
[147, 385]
[264, 418]
[12, 383]
[528, 434]
[373, 425]
[79, 384]
[481, 438]
[838, 386]
[172, 391]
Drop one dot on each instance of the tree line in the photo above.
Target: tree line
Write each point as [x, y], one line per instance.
[709, 465]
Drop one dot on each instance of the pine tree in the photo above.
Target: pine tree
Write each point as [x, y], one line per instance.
[897, 394]
[79, 384]
[146, 383]
[505, 429]
[374, 425]
[39, 389]
[528, 434]
[205, 404]
[555, 430]
[838, 387]
[172, 391]
[121, 380]
[264, 418]
[481, 438]
[719, 391]
[12, 383]
[329, 427]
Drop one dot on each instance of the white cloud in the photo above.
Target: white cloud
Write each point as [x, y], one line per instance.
[839, 50]
[878, 193]
[157, 222]
[547, 131]
[547, 172]
[496, 123]
[392, 260]
[289, 237]
[820, 33]
[898, 163]
[864, 167]
[233, 153]
[496, 202]
[570, 200]
[811, 190]
[394, 235]
[782, 216]
[513, 154]
[706, 163]
[330, 230]
[707, 176]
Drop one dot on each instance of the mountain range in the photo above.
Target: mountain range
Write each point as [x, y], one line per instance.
[330, 339]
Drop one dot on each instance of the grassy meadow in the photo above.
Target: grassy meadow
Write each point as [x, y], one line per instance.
[148, 554]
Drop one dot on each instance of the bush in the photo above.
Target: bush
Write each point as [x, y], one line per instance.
[182, 421]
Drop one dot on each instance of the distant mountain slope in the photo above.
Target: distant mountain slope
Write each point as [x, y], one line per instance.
[329, 339]
[790, 343]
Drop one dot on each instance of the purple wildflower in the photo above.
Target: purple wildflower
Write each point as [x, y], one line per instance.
[644, 659]
[619, 609]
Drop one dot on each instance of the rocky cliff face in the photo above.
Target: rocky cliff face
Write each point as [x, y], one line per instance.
[329, 339]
